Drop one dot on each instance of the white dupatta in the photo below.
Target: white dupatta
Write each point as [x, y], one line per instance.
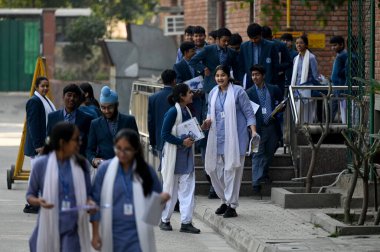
[169, 154]
[48, 105]
[145, 231]
[48, 238]
[231, 146]
[304, 73]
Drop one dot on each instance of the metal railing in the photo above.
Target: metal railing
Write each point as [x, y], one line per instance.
[298, 109]
[296, 113]
[141, 90]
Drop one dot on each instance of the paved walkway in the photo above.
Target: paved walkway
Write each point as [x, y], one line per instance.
[16, 227]
[263, 226]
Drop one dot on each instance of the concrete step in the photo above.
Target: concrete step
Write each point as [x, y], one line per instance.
[203, 187]
[279, 173]
[279, 159]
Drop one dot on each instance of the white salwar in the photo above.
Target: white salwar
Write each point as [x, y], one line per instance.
[225, 170]
[308, 113]
[48, 238]
[179, 186]
[144, 230]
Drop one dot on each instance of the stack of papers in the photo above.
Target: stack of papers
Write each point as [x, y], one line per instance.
[190, 128]
[195, 83]
[154, 210]
[279, 108]
[253, 146]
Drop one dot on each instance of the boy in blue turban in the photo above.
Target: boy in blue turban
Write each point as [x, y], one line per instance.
[104, 128]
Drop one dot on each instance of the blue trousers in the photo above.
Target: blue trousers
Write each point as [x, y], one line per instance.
[263, 158]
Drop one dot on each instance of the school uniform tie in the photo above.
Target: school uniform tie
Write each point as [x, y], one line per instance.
[222, 57]
[265, 103]
[191, 70]
[69, 118]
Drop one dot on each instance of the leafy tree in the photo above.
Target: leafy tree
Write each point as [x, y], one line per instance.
[121, 9]
[83, 33]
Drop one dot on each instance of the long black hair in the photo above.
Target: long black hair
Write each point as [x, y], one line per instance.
[178, 91]
[90, 99]
[142, 168]
[62, 131]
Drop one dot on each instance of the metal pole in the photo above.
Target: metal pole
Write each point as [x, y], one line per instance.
[288, 14]
[349, 81]
[372, 93]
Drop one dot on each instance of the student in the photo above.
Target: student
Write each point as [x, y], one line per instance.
[268, 97]
[199, 38]
[305, 70]
[104, 128]
[186, 72]
[214, 55]
[235, 42]
[71, 114]
[60, 181]
[229, 116]
[287, 38]
[212, 37]
[188, 36]
[38, 107]
[89, 104]
[338, 75]
[126, 184]
[178, 162]
[285, 62]
[157, 107]
[257, 51]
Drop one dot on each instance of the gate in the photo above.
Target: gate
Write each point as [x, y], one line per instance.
[19, 48]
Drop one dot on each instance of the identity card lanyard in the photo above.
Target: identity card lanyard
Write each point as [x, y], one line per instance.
[128, 207]
[66, 204]
[263, 108]
[222, 114]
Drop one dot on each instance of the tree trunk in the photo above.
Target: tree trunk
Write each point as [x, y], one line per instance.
[363, 213]
[310, 172]
[350, 193]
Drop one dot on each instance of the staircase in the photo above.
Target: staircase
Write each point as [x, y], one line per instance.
[281, 172]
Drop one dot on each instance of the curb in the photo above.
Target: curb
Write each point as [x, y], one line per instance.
[234, 235]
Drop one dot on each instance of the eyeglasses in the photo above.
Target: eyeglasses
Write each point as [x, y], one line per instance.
[125, 151]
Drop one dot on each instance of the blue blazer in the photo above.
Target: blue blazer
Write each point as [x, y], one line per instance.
[268, 59]
[100, 139]
[183, 74]
[82, 121]
[209, 57]
[285, 63]
[157, 106]
[276, 98]
[35, 126]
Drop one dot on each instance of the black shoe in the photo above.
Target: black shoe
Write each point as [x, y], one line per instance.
[31, 209]
[189, 228]
[165, 226]
[266, 181]
[230, 213]
[176, 207]
[257, 189]
[212, 195]
[221, 210]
